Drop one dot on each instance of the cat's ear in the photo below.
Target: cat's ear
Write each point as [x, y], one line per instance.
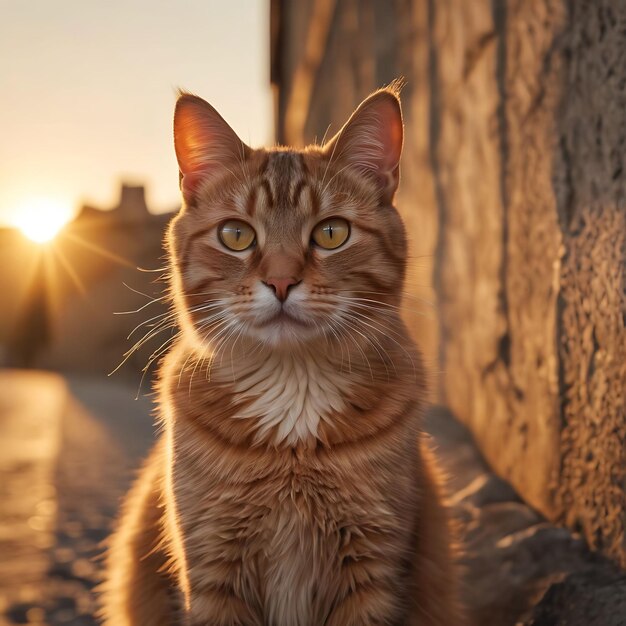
[205, 144]
[371, 141]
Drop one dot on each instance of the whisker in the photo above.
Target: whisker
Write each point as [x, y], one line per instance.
[349, 335]
[404, 294]
[375, 344]
[385, 332]
[141, 293]
[141, 308]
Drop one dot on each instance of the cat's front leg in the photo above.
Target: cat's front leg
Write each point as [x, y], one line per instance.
[367, 605]
[217, 603]
[221, 580]
[370, 589]
[137, 590]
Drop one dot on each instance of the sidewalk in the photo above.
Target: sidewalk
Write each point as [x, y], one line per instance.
[68, 449]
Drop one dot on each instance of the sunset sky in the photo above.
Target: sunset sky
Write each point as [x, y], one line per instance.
[88, 93]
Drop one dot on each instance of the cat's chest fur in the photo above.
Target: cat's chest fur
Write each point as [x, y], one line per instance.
[288, 394]
[289, 522]
[285, 508]
[298, 554]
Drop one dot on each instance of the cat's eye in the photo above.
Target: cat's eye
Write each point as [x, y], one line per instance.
[236, 235]
[331, 233]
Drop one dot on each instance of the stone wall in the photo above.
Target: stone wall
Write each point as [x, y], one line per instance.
[514, 193]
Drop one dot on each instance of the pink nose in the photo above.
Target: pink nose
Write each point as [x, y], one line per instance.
[281, 286]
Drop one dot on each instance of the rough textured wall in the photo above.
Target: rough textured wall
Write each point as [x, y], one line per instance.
[590, 186]
[514, 182]
[529, 112]
[495, 89]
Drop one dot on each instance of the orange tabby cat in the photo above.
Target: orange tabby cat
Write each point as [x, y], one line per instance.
[290, 486]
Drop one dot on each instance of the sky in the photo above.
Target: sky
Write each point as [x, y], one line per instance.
[87, 91]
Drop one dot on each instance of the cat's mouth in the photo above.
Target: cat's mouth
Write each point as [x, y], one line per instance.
[282, 318]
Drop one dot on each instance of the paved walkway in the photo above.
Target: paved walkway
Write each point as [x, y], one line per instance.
[68, 449]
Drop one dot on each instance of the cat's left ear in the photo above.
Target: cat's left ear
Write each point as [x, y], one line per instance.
[371, 141]
[205, 144]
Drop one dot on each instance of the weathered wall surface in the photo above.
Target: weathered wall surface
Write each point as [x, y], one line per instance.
[590, 189]
[514, 192]
[495, 90]
[529, 113]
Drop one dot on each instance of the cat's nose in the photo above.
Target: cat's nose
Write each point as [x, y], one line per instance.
[281, 286]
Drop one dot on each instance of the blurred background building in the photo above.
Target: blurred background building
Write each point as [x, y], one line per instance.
[71, 302]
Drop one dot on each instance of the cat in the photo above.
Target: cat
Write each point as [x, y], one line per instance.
[291, 485]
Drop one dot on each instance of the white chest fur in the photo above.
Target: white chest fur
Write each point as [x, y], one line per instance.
[289, 392]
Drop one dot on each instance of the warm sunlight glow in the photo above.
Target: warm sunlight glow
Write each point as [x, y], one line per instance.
[40, 219]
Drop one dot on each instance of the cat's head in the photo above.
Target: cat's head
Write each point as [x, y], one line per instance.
[288, 246]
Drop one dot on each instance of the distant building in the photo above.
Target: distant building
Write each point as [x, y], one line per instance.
[82, 280]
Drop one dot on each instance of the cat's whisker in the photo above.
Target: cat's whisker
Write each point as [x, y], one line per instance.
[361, 318]
[139, 344]
[341, 344]
[207, 324]
[140, 309]
[392, 307]
[199, 360]
[160, 350]
[156, 269]
[404, 294]
[232, 348]
[192, 354]
[153, 357]
[344, 325]
[141, 293]
[167, 316]
[170, 319]
[376, 345]
[220, 342]
[387, 332]
[374, 309]
[212, 341]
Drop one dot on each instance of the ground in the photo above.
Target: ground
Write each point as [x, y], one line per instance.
[69, 448]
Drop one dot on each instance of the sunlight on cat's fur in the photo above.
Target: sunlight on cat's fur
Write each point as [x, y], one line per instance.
[290, 485]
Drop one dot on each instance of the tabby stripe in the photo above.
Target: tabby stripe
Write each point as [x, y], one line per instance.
[297, 192]
[251, 203]
[267, 188]
[192, 239]
[369, 277]
[383, 241]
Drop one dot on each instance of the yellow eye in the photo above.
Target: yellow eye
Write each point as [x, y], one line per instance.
[237, 235]
[331, 233]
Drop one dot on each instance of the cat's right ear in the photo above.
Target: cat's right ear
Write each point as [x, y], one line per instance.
[205, 144]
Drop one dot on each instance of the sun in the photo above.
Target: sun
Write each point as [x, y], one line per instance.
[41, 219]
